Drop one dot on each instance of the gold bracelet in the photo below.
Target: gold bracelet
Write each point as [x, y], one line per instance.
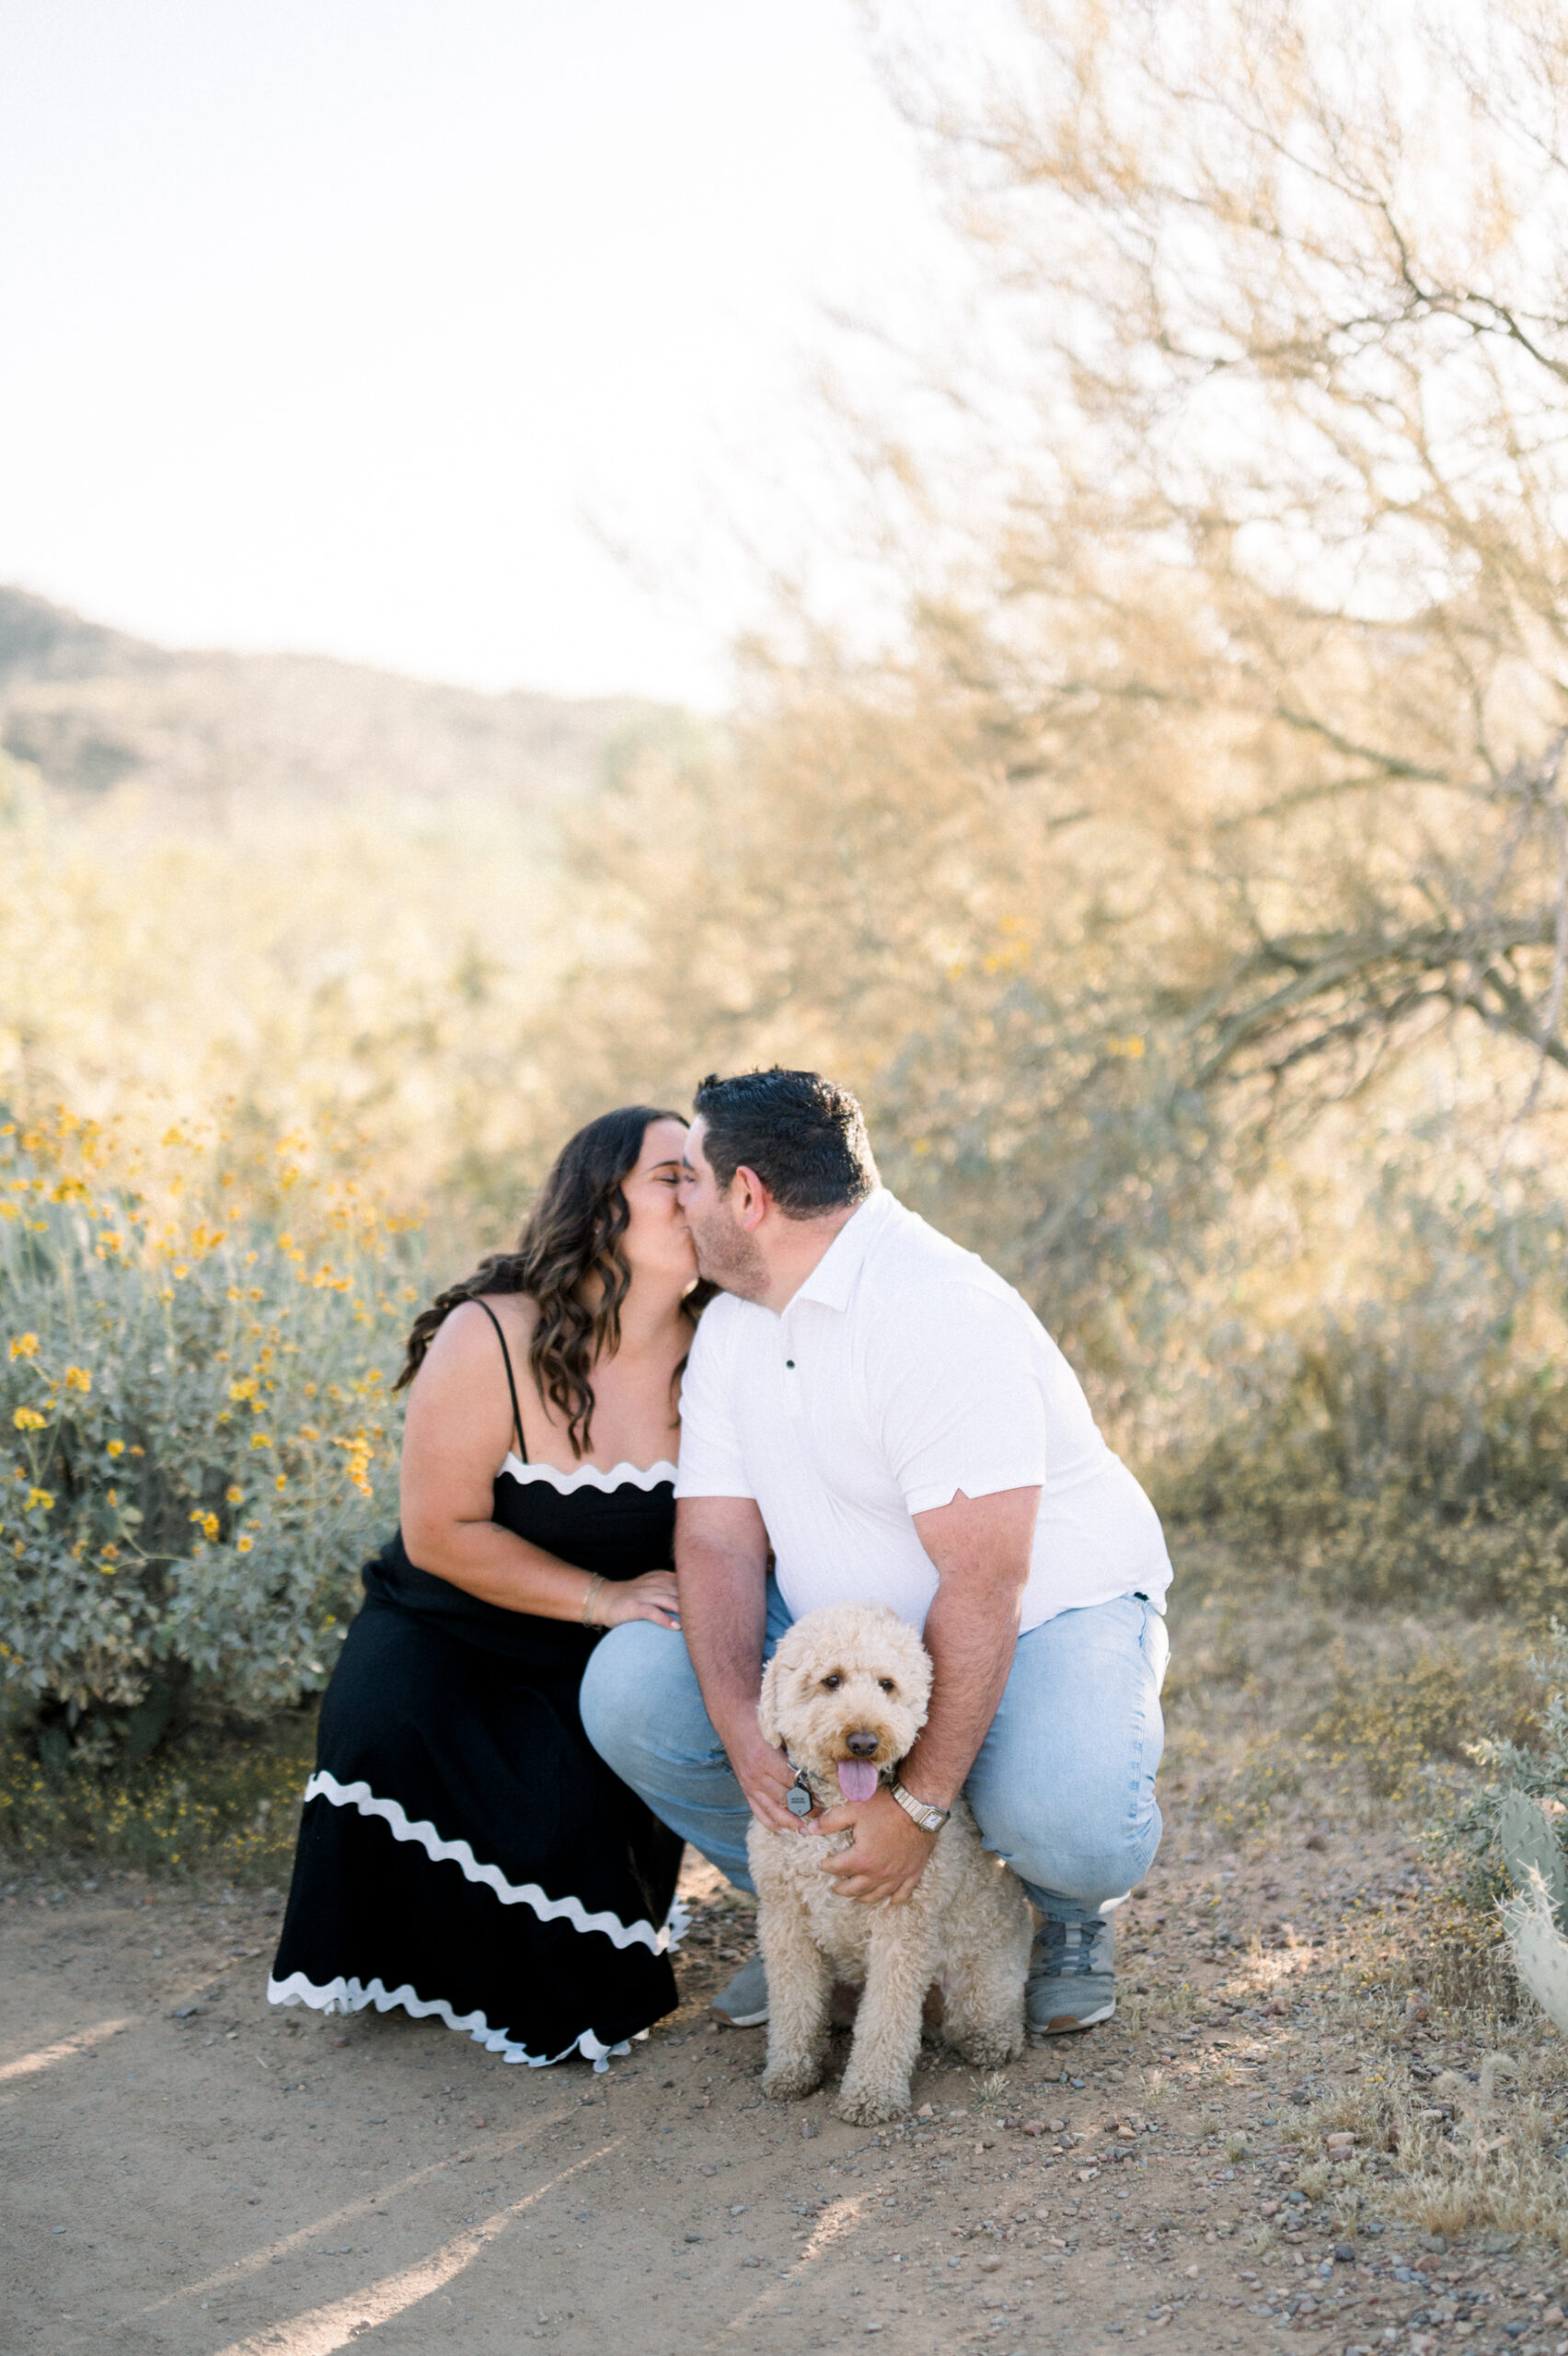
[594, 1587]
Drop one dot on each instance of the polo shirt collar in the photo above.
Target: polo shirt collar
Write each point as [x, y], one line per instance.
[834, 1278]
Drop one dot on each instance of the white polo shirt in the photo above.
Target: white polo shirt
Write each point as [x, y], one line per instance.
[904, 1370]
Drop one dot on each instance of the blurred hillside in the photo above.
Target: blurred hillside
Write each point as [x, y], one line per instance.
[91, 709]
[292, 893]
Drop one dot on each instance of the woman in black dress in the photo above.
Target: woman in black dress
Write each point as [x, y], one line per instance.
[464, 1851]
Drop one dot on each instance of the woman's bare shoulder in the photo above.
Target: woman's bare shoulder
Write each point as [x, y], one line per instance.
[466, 1339]
[518, 1312]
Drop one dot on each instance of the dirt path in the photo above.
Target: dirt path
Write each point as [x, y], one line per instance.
[191, 2172]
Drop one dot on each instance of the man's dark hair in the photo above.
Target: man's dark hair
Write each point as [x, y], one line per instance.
[805, 1138]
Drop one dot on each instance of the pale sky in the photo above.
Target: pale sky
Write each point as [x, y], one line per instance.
[331, 324]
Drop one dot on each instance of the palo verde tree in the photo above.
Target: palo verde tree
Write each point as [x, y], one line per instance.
[1202, 808]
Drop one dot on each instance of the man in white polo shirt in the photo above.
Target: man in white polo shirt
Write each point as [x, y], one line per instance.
[877, 1409]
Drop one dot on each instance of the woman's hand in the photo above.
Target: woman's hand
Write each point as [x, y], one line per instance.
[651, 1596]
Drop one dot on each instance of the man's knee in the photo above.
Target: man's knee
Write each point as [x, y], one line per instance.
[1093, 1872]
[619, 1698]
[639, 1699]
[1086, 1857]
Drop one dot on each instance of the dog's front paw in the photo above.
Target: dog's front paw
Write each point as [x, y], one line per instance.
[989, 2048]
[866, 2106]
[791, 2081]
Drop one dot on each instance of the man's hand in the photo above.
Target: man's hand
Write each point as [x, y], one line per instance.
[763, 1773]
[890, 1851]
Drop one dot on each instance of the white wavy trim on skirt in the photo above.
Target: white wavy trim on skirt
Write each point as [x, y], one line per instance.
[353, 1995]
[326, 1786]
[588, 1476]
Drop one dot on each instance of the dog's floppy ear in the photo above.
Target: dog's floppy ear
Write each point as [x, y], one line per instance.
[768, 1704]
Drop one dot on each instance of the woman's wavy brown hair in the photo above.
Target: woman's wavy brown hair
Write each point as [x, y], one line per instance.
[574, 1232]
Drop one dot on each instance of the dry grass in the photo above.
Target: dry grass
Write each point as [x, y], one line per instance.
[1275, 1698]
[1422, 1697]
[1473, 2150]
[1316, 1745]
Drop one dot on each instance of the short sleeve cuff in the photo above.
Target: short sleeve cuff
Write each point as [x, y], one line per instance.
[712, 1484]
[976, 1484]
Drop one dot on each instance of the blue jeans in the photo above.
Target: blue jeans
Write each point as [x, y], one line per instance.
[1062, 1787]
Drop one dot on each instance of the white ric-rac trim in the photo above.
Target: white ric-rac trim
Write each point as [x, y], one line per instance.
[549, 1910]
[589, 1477]
[353, 1995]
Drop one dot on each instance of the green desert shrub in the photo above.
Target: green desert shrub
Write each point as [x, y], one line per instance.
[194, 1386]
[1515, 1764]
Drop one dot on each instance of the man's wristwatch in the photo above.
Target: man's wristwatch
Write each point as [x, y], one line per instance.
[929, 1820]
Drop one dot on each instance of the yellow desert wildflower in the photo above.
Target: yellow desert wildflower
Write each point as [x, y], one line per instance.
[78, 1379]
[25, 1345]
[28, 1419]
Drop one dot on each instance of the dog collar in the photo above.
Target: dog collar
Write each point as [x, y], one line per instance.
[803, 1798]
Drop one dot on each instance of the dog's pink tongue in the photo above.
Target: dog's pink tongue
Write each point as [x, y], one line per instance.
[857, 1778]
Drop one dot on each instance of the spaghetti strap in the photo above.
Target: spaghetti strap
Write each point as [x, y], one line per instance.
[506, 1354]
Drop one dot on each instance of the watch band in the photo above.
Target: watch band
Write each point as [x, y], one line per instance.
[929, 1820]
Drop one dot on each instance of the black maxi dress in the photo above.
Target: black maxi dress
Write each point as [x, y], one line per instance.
[464, 1851]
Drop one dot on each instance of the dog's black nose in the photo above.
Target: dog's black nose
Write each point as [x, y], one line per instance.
[863, 1745]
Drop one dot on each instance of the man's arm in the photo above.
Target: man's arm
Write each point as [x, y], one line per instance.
[721, 1572]
[981, 1547]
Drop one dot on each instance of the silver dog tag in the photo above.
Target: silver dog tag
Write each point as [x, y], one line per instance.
[797, 1800]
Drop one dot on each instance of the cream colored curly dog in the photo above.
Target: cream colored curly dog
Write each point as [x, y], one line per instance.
[846, 1695]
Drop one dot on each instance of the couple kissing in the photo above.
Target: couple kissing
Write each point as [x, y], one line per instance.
[725, 1380]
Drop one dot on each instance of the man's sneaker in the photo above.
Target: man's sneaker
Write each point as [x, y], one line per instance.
[1072, 1980]
[743, 2002]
